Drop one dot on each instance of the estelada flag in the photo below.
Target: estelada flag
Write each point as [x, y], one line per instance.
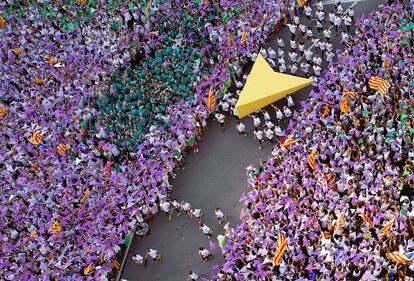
[36, 139]
[62, 148]
[55, 227]
[379, 84]
[293, 138]
[281, 248]
[211, 99]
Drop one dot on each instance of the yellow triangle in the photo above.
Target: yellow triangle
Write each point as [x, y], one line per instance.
[265, 86]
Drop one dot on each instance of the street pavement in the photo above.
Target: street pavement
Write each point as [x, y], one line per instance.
[214, 177]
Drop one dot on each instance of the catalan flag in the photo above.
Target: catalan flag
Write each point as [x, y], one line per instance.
[325, 110]
[55, 227]
[83, 2]
[340, 222]
[2, 22]
[228, 40]
[367, 220]
[302, 2]
[17, 51]
[379, 84]
[2, 111]
[292, 139]
[344, 107]
[311, 159]
[62, 148]
[36, 138]
[211, 99]
[386, 228]
[89, 269]
[386, 63]
[397, 257]
[349, 94]
[115, 264]
[243, 37]
[38, 81]
[51, 60]
[281, 248]
[331, 181]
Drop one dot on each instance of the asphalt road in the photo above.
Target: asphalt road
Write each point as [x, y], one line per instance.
[214, 177]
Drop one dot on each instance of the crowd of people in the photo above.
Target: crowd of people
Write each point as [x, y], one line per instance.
[78, 172]
[339, 186]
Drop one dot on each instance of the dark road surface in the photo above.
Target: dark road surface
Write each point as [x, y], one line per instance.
[214, 177]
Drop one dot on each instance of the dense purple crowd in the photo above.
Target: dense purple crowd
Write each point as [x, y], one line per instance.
[66, 204]
[344, 211]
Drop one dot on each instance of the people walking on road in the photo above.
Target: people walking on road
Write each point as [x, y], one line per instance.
[153, 254]
[204, 253]
[219, 215]
[241, 128]
[140, 260]
[192, 276]
[206, 230]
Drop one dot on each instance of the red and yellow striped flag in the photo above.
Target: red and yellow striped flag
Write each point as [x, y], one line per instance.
[325, 110]
[367, 220]
[17, 51]
[379, 84]
[344, 107]
[292, 139]
[386, 63]
[62, 148]
[302, 2]
[281, 248]
[211, 99]
[82, 1]
[89, 269]
[331, 181]
[397, 257]
[386, 228]
[349, 94]
[36, 139]
[115, 264]
[2, 111]
[51, 60]
[2, 22]
[38, 81]
[311, 159]
[228, 40]
[55, 227]
[243, 37]
[340, 222]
